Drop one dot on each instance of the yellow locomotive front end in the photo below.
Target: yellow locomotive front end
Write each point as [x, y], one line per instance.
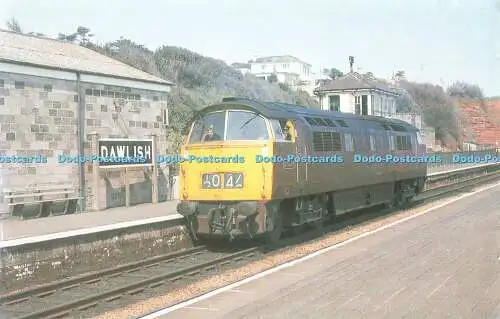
[223, 189]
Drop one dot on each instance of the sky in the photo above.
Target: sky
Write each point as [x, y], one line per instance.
[436, 41]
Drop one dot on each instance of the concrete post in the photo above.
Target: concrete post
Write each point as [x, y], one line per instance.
[127, 186]
[94, 150]
[154, 170]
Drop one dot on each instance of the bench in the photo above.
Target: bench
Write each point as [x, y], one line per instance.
[44, 196]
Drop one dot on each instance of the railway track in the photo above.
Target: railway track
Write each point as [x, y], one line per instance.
[92, 293]
[68, 297]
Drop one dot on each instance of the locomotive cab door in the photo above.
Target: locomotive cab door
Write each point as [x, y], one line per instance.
[300, 150]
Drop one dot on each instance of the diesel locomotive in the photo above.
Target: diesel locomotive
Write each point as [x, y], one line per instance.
[253, 168]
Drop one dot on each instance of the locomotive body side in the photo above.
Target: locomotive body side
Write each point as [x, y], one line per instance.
[308, 191]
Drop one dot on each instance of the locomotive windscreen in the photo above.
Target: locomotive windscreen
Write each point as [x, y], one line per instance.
[229, 125]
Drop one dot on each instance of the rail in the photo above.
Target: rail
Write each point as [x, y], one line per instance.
[119, 282]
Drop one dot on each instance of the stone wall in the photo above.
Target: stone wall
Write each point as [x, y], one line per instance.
[39, 116]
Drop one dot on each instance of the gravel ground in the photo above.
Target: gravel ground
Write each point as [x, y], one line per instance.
[272, 260]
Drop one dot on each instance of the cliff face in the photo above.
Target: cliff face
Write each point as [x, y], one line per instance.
[483, 118]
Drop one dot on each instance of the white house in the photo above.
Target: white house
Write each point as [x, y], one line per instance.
[288, 69]
[354, 93]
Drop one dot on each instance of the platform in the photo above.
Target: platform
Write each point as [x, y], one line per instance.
[443, 264]
[41, 229]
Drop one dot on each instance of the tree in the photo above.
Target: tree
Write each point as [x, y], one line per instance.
[404, 102]
[84, 34]
[38, 34]
[67, 37]
[439, 110]
[81, 35]
[273, 78]
[465, 91]
[399, 75]
[333, 73]
[13, 25]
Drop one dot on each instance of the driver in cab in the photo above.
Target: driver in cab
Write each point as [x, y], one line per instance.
[286, 131]
[210, 135]
[286, 134]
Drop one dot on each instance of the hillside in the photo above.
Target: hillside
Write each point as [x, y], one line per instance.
[199, 80]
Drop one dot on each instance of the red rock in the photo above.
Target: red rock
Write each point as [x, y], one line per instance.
[484, 122]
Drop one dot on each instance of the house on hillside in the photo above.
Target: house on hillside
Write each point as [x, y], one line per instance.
[288, 69]
[62, 98]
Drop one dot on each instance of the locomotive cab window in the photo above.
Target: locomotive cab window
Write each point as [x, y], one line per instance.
[246, 126]
[229, 125]
[282, 131]
[210, 127]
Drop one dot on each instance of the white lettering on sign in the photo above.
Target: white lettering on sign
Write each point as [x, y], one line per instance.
[126, 149]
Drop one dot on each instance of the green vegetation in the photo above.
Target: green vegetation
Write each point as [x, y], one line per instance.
[438, 109]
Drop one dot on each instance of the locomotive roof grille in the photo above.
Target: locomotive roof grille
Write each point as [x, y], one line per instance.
[342, 123]
[330, 123]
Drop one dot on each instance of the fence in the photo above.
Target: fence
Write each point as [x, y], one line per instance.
[473, 158]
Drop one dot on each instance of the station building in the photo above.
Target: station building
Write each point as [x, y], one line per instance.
[61, 98]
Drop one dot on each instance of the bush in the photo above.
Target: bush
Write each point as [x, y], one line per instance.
[439, 110]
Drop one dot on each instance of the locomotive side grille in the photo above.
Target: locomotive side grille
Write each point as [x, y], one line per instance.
[318, 141]
[326, 142]
[336, 142]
